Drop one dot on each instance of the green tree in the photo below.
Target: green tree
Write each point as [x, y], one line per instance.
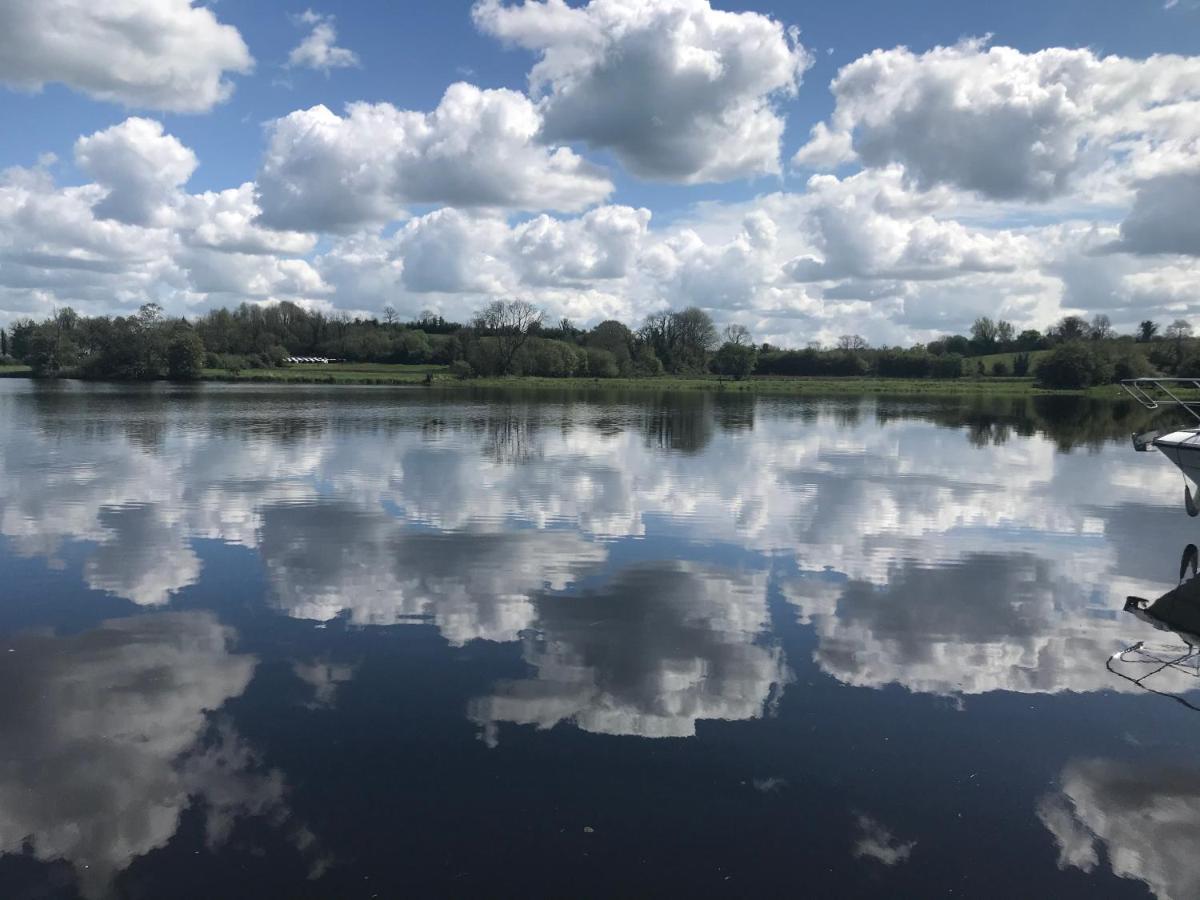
[511, 322]
[983, 333]
[1070, 328]
[1075, 365]
[51, 350]
[185, 355]
[682, 340]
[601, 363]
[618, 340]
[695, 338]
[1000, 368]
[1147, 329]
[1030, 339]
[646, 363]
[735, 360]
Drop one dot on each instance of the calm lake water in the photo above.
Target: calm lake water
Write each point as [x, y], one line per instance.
[340, 642]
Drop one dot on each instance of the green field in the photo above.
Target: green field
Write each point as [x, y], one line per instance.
[14, 371]
[970, 362]
[338, 373]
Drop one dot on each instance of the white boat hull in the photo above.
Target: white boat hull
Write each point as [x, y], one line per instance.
[1183, 449]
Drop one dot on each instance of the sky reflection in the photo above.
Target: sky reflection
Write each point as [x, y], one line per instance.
[227, 605]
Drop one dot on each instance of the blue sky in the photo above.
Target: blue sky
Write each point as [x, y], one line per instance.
[408, 54]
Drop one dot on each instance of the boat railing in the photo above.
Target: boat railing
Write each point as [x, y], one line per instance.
[1156, 393]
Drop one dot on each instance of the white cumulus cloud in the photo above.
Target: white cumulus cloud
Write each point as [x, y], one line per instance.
[140, 166]
[319, 48]
[158, 54]
[479, 148]
[1002, 123]
[679, 91]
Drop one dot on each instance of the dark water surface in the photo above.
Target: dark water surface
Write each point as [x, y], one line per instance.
[339, 642]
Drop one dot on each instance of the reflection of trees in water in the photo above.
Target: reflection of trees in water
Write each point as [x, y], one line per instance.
[511, 438]
[511, 421]
[1069, 421]
[849, 415]
[680, 422]
[735, 412]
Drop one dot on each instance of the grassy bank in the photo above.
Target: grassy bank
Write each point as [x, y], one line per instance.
[350, 373]
[386, 374]
[415, 375]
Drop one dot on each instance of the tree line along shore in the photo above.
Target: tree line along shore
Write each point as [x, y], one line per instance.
[512, 339]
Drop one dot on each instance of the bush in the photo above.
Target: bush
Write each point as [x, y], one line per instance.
[1021, 365]
[460, 368]
[602, 363]
[1075, 365]
[1131, 364]
[230, 362]
[811, 362]
[483, 354]
[646, 363]
[903, 364]
[549, 359]
[275, 356]
[1000, 368]
[947, 366]
[735, 361]
[411, 348]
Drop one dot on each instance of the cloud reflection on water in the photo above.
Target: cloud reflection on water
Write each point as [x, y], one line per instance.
[1144, 817]
[385, 508]
[105, 740]
[661, 647]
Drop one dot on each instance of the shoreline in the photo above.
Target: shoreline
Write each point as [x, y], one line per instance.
[415, 376]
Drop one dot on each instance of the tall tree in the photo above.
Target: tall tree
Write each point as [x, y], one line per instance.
[737, 335]
[511, 322]
[1147, 329]
[1070, 328]
[852, 342]
[1179, 329]
[695, 337]
[1100, 328]
[983, 333]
